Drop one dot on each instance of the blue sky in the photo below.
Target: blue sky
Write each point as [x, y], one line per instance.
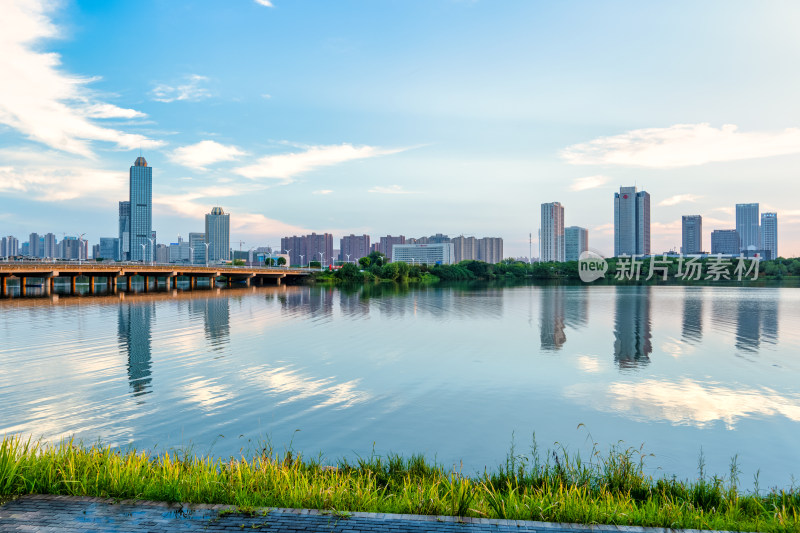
[398, 117]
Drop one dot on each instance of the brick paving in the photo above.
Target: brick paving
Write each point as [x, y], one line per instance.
[44, 513]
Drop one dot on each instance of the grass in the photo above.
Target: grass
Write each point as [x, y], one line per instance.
[606, 488]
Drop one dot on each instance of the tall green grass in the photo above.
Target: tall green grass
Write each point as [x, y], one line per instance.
[607, 488]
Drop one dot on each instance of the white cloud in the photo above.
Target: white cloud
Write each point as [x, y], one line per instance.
[679, 199]
[286, 166]
[191, 91]
[688, 402]
[204, 153]
[392, 189]
[265, 3]
[322, 191]
[683, 145]
[589, 182]
[41, 101]
[60, 183]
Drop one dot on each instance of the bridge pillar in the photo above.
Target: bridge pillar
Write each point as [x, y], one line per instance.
[72, 284]
[46, 286]
[277, 281]
[146, 283]
[175, 281]
[23, 290]
[128, 282]
[192, 282]
[91, 284]
[51, 283]
[168, 283]
[212, 281]
[4, 286]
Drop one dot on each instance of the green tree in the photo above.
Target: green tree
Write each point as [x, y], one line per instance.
[377, 258]
[269, 261]
[349, 273]
[313, 264]
[238, 262]
[364, 262]
[281, 261]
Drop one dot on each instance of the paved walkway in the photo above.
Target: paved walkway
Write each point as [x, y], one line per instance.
[77, 514]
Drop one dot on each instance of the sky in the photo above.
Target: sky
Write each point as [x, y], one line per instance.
[398, 117]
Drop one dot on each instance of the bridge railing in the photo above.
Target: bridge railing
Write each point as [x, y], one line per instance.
[19, 266]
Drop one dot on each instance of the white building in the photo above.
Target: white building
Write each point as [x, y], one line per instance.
[551, 235]
[769, 234]
[429, 254]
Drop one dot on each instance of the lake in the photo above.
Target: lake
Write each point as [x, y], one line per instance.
[450, 371]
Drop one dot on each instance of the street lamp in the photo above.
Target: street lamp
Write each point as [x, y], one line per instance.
[206, 253]
[288, 252]
[321, 257]
[301, 260]
[152, 258]
[250, 256]
[191, 255]
[144, 254]
[80, 247]
[348, 257]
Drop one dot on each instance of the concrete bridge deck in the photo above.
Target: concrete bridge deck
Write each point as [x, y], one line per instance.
[112, 273]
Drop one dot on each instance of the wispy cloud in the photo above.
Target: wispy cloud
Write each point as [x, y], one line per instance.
[392, 189]
[43, 102]
[322, 191]
[589, 182]
[287, 166]
[61, 183]
[265, 3]
[683, 145]
[204, 153]
[191, 91]
[679, 199]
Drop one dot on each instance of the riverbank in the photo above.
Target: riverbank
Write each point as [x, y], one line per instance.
[609, 488]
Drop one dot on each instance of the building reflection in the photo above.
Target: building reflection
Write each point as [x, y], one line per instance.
[692, 325]
[632, 335]
[313, 301]
[216, 321]
[576, 307]
[756, 322]
[551, 318]
[134, 324]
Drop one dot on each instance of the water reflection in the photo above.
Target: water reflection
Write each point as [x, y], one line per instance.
[756, 321]
[692, 325]
[632, 334]
[216, 320]
[134, 322]
[551, 318]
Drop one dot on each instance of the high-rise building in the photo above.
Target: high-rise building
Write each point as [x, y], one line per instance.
[551, 234]
[747, 226]
[96, 251]
[691, 234]
[353, 247]
[385, 244]
[50, 246]
[490, 249]
[428, 254]
[74, 248]
[631, 222]
[141, 205]
[179, 252]
[197, 244]
[464, 248]
[576, 241]
[124, 231]
[162, 253]
[9, 246]
[302, 250]
[33, 246]
[769, 234]
[109, 248]
[218, 236]
[725, 241]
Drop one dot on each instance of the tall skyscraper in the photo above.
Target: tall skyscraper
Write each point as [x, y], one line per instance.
[747, 226]
[309, 247]
[631, 222]
[576, 241]
[218, 236]
[769, 234]
[124, 231]
[109, 248]
[33, 245]
[692, 234]
[551, 235]
[50, 246]
[10, 246]
[464, 248]
[353, 247]
[197, 242]
[141, 206]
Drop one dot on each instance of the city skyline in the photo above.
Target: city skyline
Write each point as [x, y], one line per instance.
[342, 127]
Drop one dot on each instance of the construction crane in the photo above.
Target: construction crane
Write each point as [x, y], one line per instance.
[240, 245]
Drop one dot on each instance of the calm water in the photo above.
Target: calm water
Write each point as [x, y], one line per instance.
[451, 372]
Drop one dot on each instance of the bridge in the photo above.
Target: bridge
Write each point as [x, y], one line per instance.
[112, 274]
